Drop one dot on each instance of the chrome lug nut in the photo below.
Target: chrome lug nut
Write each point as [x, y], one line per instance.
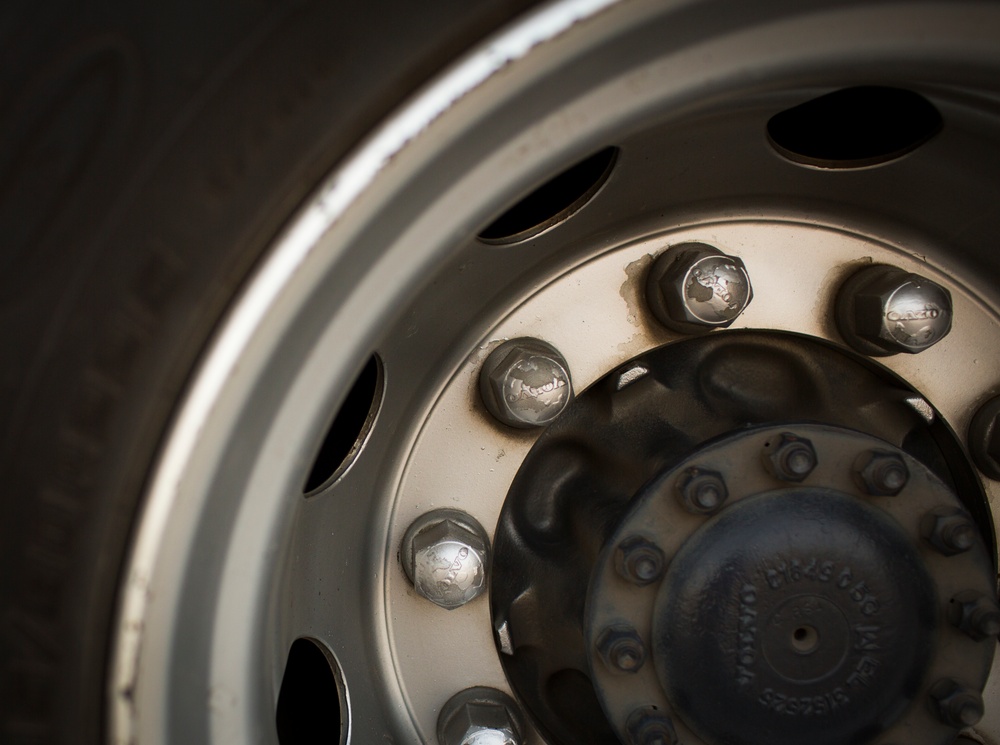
[639, 561]
[882, 310]
[976, 614]
[525, 383]
[702, 491]
[621, 649]
[480, 716]
[950, 530]
[956, 705]
[445, 554]
[693, 288]
[881, 473]
[984, 438]
[650, 726]
[791, 458]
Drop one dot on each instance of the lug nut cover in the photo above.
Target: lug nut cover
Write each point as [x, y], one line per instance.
[693, 288]
[445, 554]
[884, 310]
[525, 383]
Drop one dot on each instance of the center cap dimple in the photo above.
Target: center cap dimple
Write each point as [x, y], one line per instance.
[806, 639]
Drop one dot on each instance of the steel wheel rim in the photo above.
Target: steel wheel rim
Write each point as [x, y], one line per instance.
[198, 566]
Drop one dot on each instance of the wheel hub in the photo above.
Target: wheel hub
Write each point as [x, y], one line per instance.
[776, 583]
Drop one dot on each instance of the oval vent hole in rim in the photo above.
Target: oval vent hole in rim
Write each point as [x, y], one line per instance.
[312, 699]
[854, 127]
[553, 201]
[350, 427]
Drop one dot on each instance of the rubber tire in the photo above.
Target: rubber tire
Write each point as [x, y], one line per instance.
[150, 153]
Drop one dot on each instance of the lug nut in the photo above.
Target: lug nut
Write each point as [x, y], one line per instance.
[480, 716]
[525, 383]
[984, 438]
[976, 614]
[649, 726]
[949, 529]
[639, 561]
[445, 554]
[792, 458]
[621, 649]
[881, 473]
[693, 288]
[956, 705]
[883, 310]
[702, 491]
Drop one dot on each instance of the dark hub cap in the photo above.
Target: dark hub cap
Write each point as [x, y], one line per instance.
[808, 637]
[803, 597]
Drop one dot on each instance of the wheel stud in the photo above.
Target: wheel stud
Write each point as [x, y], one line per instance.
[881, 474]
[883, 310]
[621, 649]
[480, 716]
[984, 438]
[949, 530]
[639, 561]
[445, 554]
[648, 726]
[693, 288]
[975, 614]
[525, 383]
[956, 705]
[792, 458]
[702, 491]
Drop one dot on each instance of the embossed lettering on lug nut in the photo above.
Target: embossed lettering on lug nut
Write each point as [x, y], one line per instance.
[880, 473]
[984, 438]
[883, 310]
[649, 726]
[702, 491]
[639, 561]
[975, 614]
[950, 530]
[445, 554]
[955, 704]
[621, 649]
[480, 716]
[525, 383]
[791, 458]
[693, 288]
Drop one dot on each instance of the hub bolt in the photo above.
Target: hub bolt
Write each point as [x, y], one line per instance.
[639, 561]
[702, 491]
[480, 716]
[956, 705]
[880, 473]
[693, 288]
[949, 529]
[649, 726]
[984, 438]
[445, 554]
[976, 614]
[884, 310]
[621, 649]
[525, 383]
[792, 458]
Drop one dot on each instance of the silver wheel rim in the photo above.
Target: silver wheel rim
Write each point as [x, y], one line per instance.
[231, 563]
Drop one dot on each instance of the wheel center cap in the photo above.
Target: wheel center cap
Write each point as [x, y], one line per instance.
[802, 614]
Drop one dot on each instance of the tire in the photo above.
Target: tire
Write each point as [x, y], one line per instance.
[148, 161]
[235, 231]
